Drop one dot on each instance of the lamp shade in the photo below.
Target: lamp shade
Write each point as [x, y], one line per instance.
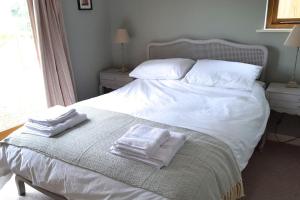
[121, 36]
[293, 40]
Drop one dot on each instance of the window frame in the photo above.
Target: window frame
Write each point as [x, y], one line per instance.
[272, 22]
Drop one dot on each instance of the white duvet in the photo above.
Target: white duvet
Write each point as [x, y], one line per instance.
[236, 117]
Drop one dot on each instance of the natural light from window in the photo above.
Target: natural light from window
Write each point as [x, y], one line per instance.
[21, 82]
[289, 9]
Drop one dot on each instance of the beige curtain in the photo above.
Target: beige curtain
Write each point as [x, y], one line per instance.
[50, 38]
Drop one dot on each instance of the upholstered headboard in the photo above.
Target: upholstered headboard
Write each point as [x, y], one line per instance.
[209, 49]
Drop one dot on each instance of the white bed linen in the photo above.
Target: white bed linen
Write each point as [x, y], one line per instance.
[238, 118]
[70, 181]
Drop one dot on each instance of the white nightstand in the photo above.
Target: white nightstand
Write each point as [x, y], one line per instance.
[113, 78]
[283, 99]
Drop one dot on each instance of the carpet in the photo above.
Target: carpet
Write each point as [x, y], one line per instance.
[274, 173]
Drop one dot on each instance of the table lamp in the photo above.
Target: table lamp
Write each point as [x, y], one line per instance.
[293, 40]
[122, 38]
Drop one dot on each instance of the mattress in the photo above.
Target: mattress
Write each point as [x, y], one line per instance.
[237, 118]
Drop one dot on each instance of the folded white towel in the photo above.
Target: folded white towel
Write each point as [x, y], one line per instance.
[142, 139]
[155, 163]
[49, 131]
[162, 157]
[167, 151]
[53, 116]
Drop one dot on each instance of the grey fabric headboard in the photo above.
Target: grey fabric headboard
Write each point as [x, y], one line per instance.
[210, 49]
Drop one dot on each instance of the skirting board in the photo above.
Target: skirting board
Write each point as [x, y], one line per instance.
[283, 138]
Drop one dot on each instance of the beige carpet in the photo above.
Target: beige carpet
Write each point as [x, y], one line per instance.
[270, 175]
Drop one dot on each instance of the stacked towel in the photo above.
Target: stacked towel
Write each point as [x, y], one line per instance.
[142, 140]
[153, 146]
[53, 116]
[54, 121]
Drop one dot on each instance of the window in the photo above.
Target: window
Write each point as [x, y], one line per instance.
[283, 13]
[22, 90]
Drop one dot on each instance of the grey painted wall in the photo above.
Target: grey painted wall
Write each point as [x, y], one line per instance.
[90, 44]
[237, 20]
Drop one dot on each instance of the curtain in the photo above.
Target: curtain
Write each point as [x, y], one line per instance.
[50, 39]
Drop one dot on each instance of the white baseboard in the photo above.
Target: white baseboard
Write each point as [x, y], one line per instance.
[283, 138]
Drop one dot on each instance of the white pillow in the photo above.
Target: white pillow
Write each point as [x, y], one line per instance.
[224, 74]
[163, 69]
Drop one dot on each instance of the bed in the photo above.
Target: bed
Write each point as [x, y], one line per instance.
[234, 119]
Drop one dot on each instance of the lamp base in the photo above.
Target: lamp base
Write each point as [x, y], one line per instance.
[292, 84]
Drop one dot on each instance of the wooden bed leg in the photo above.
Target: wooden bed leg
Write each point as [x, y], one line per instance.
[20, 186]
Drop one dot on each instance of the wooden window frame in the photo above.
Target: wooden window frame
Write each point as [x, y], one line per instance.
[273, 22]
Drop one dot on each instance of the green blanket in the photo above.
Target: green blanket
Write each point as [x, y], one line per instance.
[204, 168]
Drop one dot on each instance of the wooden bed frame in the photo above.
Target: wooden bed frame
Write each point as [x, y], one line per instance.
[185, 48]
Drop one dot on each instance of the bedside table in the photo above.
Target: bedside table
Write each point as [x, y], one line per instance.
[283, 99]
[113, 78]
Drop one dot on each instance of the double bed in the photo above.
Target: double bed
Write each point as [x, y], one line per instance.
[232, 119]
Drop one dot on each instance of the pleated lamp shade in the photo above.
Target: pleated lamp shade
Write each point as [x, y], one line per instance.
[293, 40]
[121, 36]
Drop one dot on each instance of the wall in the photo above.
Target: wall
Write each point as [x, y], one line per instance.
[237, 20]
[90, 44]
